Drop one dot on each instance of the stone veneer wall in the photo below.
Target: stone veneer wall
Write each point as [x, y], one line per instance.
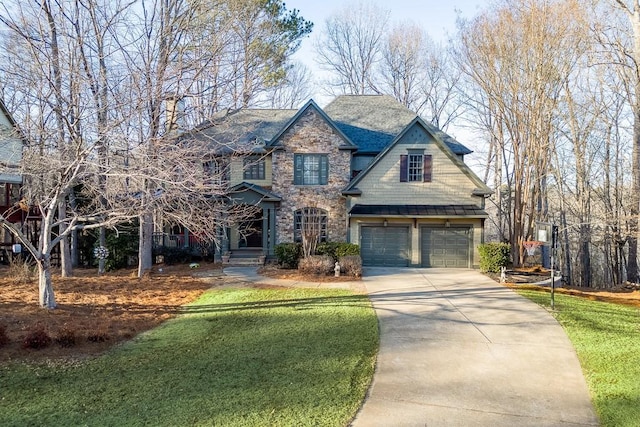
[313, 135]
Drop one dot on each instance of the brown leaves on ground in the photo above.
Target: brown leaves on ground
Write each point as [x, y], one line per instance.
[100, 311]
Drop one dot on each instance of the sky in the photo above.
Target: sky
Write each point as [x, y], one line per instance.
[437, 17]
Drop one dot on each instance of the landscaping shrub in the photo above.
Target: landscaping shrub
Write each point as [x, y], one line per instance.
[98, 336]
[4, 338]
[316, 264]
[347, 249]
[327, 248]
[121, 246]
[288, 254]
[66, 337]
[37, 339]
[351, 265]
[493, 256]
[21, 270]
[337, 249]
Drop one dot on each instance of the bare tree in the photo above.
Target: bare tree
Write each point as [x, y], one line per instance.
[518, 55]
[350, 48]
[628, 56]
[294, 90]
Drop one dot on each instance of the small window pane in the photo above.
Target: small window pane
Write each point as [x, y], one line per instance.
[3, 194]
[254, 167]
[311, 169]
[415, 167]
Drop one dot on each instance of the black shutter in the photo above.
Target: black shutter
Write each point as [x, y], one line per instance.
[298, 169]
[428, 161]
[324, 170]
[404, 173]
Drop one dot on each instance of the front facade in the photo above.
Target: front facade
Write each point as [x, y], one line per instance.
[366, 170]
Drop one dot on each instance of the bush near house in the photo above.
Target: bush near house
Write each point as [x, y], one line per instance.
[351, 265]
[288, 254]
[493, 256]
[316, 264]
[337, 249]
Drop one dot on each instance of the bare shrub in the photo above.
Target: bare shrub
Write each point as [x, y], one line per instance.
[351, 265]
[316, 264]
[37, 339]
[66, 337]
[21, 271]
[4, 338]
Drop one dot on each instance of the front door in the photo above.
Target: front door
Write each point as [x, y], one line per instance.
[251, 233]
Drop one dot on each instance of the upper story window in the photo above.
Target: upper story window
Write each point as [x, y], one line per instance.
[9, 194]
[254, 167]
[416, 167]
[310, 169]
[215, 171]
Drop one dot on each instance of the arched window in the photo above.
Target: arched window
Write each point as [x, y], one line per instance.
[311, 223]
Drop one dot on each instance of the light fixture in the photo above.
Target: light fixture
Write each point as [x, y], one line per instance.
[384, 223]
[447, 224]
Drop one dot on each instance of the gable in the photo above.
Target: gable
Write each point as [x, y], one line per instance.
[372, 122]
[323, 121]
[450, 180]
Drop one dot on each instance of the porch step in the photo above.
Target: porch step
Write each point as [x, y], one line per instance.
[245, 261]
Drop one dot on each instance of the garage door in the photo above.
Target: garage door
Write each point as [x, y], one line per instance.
[445, 247]
[384, 246]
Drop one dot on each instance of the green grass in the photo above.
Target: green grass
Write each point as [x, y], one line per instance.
[239, 357]
[606, 337]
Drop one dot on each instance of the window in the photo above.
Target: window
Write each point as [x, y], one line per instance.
[415, 167]
[310, 169]
[3, 194]
[215, 171]
[14, 194]
[310, 222]
[254, 167]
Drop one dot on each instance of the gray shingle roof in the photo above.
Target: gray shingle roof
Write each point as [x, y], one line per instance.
[231, 128]
[373, 121]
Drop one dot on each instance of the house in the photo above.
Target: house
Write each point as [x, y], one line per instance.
[365, 168]
[10, 179]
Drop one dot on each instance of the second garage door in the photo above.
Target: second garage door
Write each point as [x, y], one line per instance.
[384, 246]
[445, 247]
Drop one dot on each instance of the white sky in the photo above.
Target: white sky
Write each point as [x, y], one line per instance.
[437, 17]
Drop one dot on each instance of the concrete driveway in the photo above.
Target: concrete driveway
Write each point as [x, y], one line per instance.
[457, 349]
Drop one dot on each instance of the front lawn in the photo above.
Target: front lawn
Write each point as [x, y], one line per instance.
[237, 357]
[606, 337]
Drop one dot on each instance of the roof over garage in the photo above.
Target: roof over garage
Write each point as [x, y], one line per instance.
[422, 211]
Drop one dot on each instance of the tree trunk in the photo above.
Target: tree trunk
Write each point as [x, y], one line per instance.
[47, 298]
[66, 269]
[145, 247]
[102, 241]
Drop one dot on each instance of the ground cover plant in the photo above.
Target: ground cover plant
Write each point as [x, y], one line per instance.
[236, 357]
[605, 336]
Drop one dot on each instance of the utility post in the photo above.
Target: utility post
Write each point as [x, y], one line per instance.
[554, 243]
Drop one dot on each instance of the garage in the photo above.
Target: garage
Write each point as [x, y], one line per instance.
[445, 247]
[384, 246]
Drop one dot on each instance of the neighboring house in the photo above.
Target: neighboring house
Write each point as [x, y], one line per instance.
[366, 168]
[11, 145]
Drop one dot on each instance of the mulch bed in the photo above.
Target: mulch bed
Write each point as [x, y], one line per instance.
[100, 311]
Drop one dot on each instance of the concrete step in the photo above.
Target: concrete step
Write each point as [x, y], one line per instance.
[244, 261]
